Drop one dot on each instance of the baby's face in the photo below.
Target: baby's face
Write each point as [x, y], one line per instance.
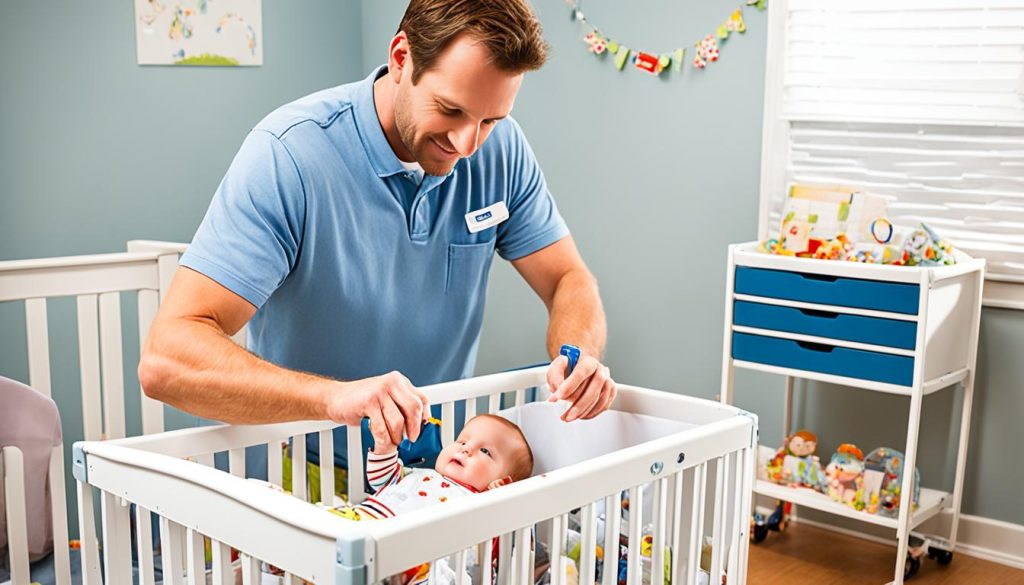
[482, 453]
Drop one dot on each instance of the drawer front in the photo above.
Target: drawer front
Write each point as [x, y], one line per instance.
[895, 297]
[827, 359]
[873, 330]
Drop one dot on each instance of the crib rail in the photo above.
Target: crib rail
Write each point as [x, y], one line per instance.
[696, 481]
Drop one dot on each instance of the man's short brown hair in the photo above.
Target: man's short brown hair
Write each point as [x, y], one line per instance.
[508, 28]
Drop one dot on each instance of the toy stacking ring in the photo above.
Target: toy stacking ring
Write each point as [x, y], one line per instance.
[881, 230]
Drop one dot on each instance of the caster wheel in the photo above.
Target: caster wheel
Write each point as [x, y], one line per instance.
[943, 557]
[760, 533]
[911, 568]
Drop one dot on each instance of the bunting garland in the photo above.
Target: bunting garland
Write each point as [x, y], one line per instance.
[705, 51]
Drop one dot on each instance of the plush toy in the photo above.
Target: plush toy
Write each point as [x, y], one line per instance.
[883, 482]
[923, 247]
[795, 463]
[845, 474]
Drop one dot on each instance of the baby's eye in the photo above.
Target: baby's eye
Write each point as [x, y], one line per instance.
[485, 451]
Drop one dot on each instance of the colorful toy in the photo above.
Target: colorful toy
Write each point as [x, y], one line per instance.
[845, 474]
[883, 482]
[795, 463]
[776, 521]
[923, 247]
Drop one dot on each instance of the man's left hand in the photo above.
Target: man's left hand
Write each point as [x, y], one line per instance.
[590, 387]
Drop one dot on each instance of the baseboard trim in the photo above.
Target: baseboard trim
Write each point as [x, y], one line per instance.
[984, 538]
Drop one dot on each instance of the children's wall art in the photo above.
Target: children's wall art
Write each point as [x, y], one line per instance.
[199, 32]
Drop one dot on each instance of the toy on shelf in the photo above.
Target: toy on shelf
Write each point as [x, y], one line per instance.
[842, 223]
[845, 473]
[883, 481]
[795, 463]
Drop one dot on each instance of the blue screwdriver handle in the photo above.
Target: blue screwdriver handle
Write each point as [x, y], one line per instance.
[573, 353]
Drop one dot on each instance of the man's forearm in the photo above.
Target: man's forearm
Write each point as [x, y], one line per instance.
[576, 315]
[192, 365]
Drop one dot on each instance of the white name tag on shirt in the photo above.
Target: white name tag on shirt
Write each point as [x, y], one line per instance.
[489, 216]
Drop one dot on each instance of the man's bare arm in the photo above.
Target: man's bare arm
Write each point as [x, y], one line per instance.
[190, 362]
[562, 280]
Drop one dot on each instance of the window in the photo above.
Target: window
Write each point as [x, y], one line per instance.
[922, 101]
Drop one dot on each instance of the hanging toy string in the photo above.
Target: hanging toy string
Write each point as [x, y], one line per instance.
[706, 49]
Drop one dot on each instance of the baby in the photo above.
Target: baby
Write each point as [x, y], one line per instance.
[489, 453]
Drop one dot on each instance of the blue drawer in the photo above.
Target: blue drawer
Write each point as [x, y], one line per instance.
[827, 359]
[874, 330]
[895, 297]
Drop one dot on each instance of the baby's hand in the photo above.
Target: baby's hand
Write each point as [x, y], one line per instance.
[380, 448]
[499, 482]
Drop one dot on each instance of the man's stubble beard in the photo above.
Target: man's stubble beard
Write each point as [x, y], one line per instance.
[407, 133]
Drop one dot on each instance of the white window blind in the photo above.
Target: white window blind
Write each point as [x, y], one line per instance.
[921, 101]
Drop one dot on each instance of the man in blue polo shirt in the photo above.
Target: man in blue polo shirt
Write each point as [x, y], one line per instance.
[354, 232]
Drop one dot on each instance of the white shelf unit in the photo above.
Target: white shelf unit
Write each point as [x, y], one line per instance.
[909, 331]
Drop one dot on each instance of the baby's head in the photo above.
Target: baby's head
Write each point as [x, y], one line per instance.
[489, 448]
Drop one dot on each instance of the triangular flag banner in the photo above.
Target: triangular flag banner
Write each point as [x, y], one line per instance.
[706, 50]
[621, 56]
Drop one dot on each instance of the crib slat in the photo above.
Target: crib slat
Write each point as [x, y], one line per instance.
[89, 366]
[12, 479]
[746, 503]
[205, 459]
[521, 562]
[195, 549]
[718, 525]
[117, 555]
[356, 493]
[612, 525]
[87, 534]
[152, 410]
[250, 569]
[274, 463]
[556, 548]
[447, 423]
[636, 508]
[58, 504]
[38, 345]
[733, 506]
[327, 467]
[222, 573]
[520, 397]
[171, 553]
[288, 579]
[460, 568]
[144, 545]
[504, 558]
[494, 403]
[111, 365]
[236, 462]
[470, 408]
[299, 467]
[658, 537]
[588, 542]
[696, 510]
[486, 562]
[676, 497]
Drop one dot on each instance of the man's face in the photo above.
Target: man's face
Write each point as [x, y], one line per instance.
[453, 107]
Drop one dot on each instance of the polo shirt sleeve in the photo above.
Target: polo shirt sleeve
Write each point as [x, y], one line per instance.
[534, 222]
[250, 237]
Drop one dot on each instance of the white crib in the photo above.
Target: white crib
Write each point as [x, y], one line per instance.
[97, 283]
[697, 481]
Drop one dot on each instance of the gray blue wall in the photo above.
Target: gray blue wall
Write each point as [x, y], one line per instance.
[655, 176]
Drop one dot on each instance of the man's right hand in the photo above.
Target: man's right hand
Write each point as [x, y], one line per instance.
[391, 402]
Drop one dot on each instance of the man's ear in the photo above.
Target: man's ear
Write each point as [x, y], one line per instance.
[399, 59]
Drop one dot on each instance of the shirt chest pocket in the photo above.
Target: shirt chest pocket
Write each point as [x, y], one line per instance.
[468, 265]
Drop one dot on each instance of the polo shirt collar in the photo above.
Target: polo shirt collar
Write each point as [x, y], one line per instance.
[382, 158]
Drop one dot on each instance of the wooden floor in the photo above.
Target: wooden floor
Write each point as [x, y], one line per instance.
[808, 555]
